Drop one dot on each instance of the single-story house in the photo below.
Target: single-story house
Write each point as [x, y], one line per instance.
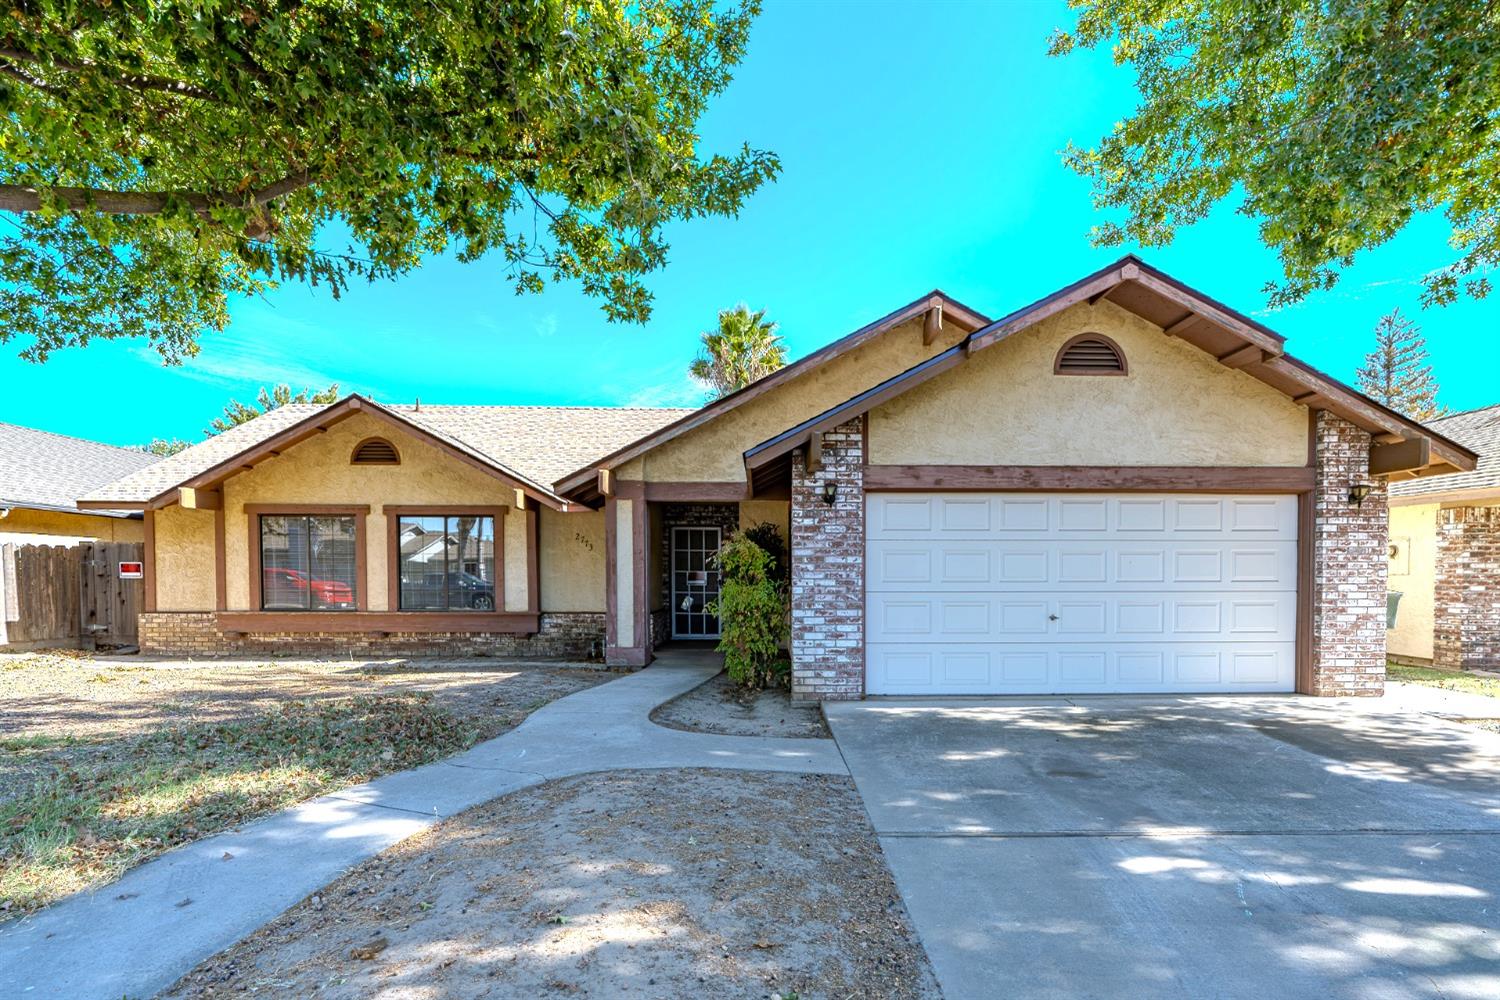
[1444, 556]
[41, 477]
[1125, 486]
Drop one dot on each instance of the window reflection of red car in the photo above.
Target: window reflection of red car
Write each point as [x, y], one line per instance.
[290, 588]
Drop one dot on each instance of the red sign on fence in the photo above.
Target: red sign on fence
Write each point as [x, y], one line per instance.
[131, 571]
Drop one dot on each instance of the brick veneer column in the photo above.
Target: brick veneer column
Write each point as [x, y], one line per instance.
[1466, 606]
[1349, 565]
[828, 571]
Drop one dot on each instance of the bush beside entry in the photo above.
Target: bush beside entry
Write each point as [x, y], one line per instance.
[754, 607]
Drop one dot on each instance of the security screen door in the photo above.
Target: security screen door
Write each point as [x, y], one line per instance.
[695, 583]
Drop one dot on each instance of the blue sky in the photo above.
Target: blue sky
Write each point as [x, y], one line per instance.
[920, 149]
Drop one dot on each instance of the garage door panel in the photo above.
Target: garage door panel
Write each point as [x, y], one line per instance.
[1016, 565]
[988, 668]
[1044, 593]
[1114, 617]
[1002, 564]
[1030, 516]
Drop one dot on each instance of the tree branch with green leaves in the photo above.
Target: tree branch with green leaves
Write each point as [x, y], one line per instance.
[157, 161]
[1335, 121]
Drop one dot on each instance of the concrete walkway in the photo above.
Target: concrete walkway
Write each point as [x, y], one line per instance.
[137, 936]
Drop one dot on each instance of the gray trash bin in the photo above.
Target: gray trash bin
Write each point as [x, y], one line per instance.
[1392, 602]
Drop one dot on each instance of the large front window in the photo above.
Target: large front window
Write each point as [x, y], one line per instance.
[307, 563]
[447, 563]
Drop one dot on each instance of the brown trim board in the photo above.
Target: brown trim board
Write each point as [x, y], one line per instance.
[148, 565]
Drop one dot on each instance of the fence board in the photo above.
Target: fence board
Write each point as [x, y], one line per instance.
[73, 596]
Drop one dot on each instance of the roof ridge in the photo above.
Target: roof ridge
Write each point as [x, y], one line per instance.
[1465, 413]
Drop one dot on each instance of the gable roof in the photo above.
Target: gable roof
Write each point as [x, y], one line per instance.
[1234, 340]
[46, 471]
[1479, 431]
[936, 304]
[526, 445]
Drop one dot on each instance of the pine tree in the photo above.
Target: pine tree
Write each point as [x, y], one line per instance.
[1397, 373]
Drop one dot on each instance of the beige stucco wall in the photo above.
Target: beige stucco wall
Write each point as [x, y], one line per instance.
[572, 561]
[777, 512]
[1004, 406]
[1412, 568]
[317, 471]
[24, 521]
[714, 452]
[184, 559]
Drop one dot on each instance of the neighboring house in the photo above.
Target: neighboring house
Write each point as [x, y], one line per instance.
[42, 475]
[1125, 486]
[1445, 554]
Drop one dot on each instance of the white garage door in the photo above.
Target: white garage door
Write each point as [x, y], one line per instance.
[975, 593]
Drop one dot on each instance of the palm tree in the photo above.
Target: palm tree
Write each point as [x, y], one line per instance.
[745, 348]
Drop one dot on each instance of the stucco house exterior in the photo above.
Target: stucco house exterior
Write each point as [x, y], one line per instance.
[1444, 554]
[42, 475]
[1124, 486]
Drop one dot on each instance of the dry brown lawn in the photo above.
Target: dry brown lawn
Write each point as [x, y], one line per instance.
[106, 762]
[645, 884]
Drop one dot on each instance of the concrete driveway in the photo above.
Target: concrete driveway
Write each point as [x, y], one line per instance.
[1206, 847]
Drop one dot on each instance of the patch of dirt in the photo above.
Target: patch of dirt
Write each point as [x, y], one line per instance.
[634, 883]
[64, 706]
[717, 706]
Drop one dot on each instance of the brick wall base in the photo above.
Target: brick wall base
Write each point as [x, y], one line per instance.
[1466, 606]
[572, 635]
[1349, 564]
[828, 571]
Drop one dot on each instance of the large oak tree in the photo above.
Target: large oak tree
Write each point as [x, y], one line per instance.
[158, 158]
[1337, 121]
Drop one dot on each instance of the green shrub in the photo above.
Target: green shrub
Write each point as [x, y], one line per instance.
[753, 609]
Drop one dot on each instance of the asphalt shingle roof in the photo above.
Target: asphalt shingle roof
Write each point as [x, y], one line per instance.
[51, 471]
[541, 443]
[1479, 431]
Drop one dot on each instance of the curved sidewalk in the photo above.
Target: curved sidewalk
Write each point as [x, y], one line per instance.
[138, 935]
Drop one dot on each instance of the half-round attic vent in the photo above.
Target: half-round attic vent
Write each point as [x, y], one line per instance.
[375, 451]
[1090, 354]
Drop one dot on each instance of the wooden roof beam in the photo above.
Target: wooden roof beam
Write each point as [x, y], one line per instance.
[932, 323]
[1408, 456]
[1177, 329]
[1250, 354]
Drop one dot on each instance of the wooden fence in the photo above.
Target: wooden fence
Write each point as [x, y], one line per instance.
[55, 595]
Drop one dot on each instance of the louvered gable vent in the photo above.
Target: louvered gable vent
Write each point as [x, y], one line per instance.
[1090, 354]
[375, 451]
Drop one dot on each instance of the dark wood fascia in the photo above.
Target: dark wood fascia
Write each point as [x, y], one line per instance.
[1101, 479]
[685, 492]
[148, 563]
[251, 622]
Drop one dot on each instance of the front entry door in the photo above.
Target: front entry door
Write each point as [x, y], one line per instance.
[695, 583]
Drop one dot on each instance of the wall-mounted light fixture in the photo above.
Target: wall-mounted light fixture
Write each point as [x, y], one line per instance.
[830, 492]
[1358, 492]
